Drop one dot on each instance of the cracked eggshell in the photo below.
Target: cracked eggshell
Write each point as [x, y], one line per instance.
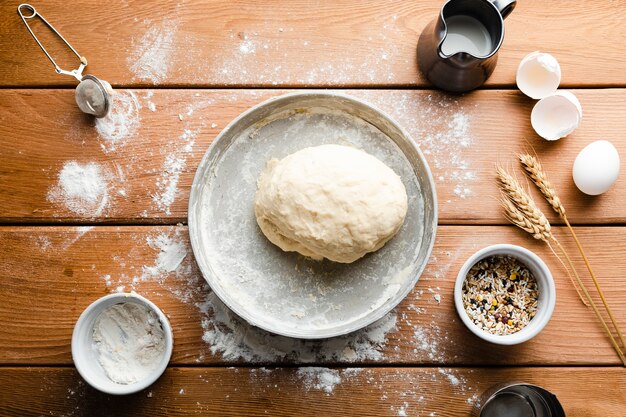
[538, 75]
[596, 167]
[557, 115]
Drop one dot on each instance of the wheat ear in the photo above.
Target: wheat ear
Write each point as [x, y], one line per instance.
[522, 201]
[535, 171]
[520, 207]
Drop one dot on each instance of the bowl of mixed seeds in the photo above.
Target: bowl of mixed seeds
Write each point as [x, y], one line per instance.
[505, 294]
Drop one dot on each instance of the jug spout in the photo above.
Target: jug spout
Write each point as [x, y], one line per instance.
[505, 6]
[460, 60]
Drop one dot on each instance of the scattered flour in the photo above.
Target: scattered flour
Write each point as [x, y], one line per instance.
[234, 339]
[150, 103]
[439, 264]
[172, 269]
[247, 47]
[82, 188]
[149, 59]
[454, 380]
[282, 63]
[107, 280]
[43, 242]
[171, 253]
[80, 231]
[322, 379]
[121, 123]
[173, 166]
[440, 125]
[402, 410]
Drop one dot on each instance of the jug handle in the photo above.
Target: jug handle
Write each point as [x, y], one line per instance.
[505, 6]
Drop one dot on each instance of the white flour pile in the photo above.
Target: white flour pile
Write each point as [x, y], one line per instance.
[149, 59]
[129, 342]
[82, 188]
[121, 123]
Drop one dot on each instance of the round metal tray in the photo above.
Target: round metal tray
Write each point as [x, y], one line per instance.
[286, 293]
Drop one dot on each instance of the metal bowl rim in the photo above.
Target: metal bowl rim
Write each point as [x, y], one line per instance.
[363, 321]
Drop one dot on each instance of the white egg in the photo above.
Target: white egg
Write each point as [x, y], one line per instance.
[596, 167]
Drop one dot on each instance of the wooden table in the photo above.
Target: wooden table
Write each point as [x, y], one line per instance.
[192, 67]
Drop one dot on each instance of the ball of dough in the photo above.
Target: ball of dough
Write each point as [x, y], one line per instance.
[330, 201]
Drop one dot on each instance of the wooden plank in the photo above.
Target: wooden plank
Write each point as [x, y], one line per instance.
[148, 172]
[441, 392]
[247, 43]
[53, 273]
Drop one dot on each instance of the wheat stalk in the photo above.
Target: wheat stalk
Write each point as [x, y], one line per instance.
[522, 201]
[539, 229]
[522, 211]
[535, 171]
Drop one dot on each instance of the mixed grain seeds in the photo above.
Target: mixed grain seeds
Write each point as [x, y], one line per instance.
[500, 295]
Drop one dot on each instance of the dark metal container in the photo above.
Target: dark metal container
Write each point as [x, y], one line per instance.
[462, 71]
[517, 399]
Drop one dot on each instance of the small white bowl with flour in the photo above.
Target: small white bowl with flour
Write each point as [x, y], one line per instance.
[122, 343]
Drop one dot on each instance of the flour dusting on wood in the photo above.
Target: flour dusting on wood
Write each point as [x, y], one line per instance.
[173, 165]
[323, 379]
[121, 123]
[149, 59]
[441, 126]
[266, 55]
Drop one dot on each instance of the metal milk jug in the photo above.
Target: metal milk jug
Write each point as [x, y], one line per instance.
[458, 51]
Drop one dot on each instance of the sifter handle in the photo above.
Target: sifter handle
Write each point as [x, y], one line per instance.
[26, 11]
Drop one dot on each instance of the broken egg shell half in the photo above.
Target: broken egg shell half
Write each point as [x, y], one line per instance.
[557, 115]
[596, 167]
[538, 75]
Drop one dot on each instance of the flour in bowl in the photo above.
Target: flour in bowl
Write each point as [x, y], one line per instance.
[129, 342]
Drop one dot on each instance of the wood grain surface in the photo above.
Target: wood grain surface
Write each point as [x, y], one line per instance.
[54, 273]
[462, 137]
[183, 71]
[441, 392]
[248, 43]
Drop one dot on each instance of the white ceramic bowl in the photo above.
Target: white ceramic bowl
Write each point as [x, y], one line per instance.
[545, 287]
[86, 358]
